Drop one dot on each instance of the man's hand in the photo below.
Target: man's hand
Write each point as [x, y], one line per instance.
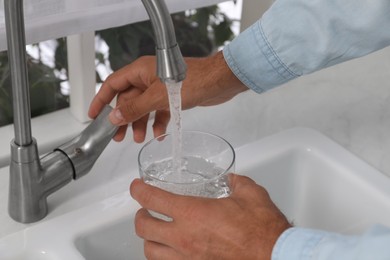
[245, 225]
[139, 92]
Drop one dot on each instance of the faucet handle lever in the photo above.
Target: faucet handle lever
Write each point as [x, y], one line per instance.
[85, 149]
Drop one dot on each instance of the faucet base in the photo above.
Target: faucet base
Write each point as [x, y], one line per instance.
[24, 205]
[32, 180]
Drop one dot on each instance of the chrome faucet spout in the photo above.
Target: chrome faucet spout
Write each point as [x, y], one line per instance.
[32, 178]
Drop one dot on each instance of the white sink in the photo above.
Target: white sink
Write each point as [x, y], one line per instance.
[314, 181]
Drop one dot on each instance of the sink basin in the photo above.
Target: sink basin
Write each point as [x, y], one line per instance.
[315, 182]
[123, 243]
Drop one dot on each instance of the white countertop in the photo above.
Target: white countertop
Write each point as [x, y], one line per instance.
[350, 103]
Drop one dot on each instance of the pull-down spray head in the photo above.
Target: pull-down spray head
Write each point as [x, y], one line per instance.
[170, 62]
[84, 149]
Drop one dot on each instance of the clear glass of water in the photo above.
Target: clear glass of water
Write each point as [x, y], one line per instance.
[206, 161]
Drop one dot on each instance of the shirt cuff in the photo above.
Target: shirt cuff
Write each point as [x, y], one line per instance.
[254, 62]
[297, 243]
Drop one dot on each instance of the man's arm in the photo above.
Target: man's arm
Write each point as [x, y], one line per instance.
[297, 37]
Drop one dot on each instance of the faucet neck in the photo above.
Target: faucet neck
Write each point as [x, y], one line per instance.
[17, 61]
[161, 22]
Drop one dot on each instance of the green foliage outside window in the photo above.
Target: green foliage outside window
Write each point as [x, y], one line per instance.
[45, 89]
[199, 33]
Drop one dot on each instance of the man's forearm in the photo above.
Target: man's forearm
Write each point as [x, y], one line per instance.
[297, 37]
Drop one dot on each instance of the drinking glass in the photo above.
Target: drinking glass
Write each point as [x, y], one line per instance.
[206, 160]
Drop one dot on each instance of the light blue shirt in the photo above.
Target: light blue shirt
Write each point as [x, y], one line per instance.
[308, 244]
[297, 37]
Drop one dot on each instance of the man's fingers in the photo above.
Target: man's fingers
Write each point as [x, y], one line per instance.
[120, 133]
[139, 128]
[238, 181]
[156, 199]
[104, 96]
[114, 84]
[156, 251]
[245, 187]
[151, 228]
[125, 78]
[123, 99]
[161, 122]
[131, 109]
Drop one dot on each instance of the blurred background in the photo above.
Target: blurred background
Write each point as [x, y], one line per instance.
[199, 32]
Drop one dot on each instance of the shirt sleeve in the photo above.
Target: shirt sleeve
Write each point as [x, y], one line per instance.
[297, 37]
[309, 244]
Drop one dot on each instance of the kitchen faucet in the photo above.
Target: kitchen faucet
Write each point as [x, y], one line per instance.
[33, 179]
